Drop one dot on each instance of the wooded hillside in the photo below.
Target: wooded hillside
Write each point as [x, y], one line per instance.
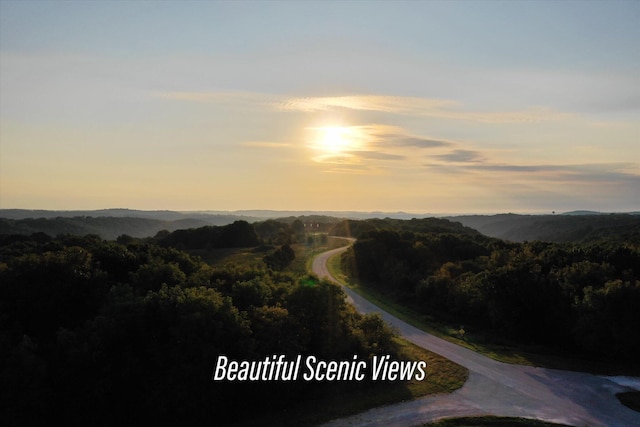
[96, 332]
[580, 297]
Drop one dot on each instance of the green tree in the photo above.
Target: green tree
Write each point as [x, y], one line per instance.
[281, 258]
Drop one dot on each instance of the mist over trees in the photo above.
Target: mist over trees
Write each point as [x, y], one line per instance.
[112, 223]
[107, 227]
[582, 227]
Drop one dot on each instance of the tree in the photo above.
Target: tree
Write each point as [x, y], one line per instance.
[281, 258]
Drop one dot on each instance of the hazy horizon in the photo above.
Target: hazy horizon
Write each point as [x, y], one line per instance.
[437, 107]
[265, 213]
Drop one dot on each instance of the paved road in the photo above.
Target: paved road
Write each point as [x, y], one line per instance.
[494, 388]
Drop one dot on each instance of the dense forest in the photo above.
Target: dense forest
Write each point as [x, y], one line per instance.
[578, 297]
[125, 332]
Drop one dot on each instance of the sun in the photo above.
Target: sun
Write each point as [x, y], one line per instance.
[336, 144]
[334, 139]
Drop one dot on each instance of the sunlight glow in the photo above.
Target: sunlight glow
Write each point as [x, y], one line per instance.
[335, 139]
[336, 144]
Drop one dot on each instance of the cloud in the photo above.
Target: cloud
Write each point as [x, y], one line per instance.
[404, 105]
[394, 136]
[353, 169]
[461, 156]
[566, 169]
[418, 142]
[337, 158]
[389, 104]
[374, 145]
[600, 173]
[377, 155]
[428, 107]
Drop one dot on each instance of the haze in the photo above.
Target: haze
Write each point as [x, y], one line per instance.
[414, 106]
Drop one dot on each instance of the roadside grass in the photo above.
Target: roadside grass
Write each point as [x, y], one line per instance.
[305, 252]
[443, 375]
[340, 400]
[504, 352]
[491, 421]
[630, 399]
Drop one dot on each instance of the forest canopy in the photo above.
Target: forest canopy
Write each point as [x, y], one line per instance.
[578, 297]
[94, 331]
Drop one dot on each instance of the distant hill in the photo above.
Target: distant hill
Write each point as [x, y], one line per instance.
[108, 223]
[575, 213]
[572, 227]
[106, 227]
[273, 214]
[211, 218]
[578, 226]
[355, 228]
[111, 223]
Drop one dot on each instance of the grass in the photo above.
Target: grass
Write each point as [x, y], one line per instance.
[491, 422]
[630, 399]
[306, 253]
[232, 256]
[508, 353]
[338, 400]
[254, 256]
[443, 375]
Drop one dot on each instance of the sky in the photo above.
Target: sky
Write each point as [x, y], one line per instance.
[420, 106]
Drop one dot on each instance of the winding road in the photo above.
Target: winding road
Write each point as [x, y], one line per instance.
[495, 388]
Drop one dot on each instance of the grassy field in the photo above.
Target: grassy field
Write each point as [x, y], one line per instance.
[232, 256]
[504, 353]
[254, 256]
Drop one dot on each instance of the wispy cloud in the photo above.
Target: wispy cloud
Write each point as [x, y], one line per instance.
[601, 173]
[376, 145]
[404, 105]
[414, 141]
[389, 104]
[440, 108]
[351, 170]
[375, 155]
[337, 158]
[460, 156]
[597, 172]
[586, 167]
[379, 135]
